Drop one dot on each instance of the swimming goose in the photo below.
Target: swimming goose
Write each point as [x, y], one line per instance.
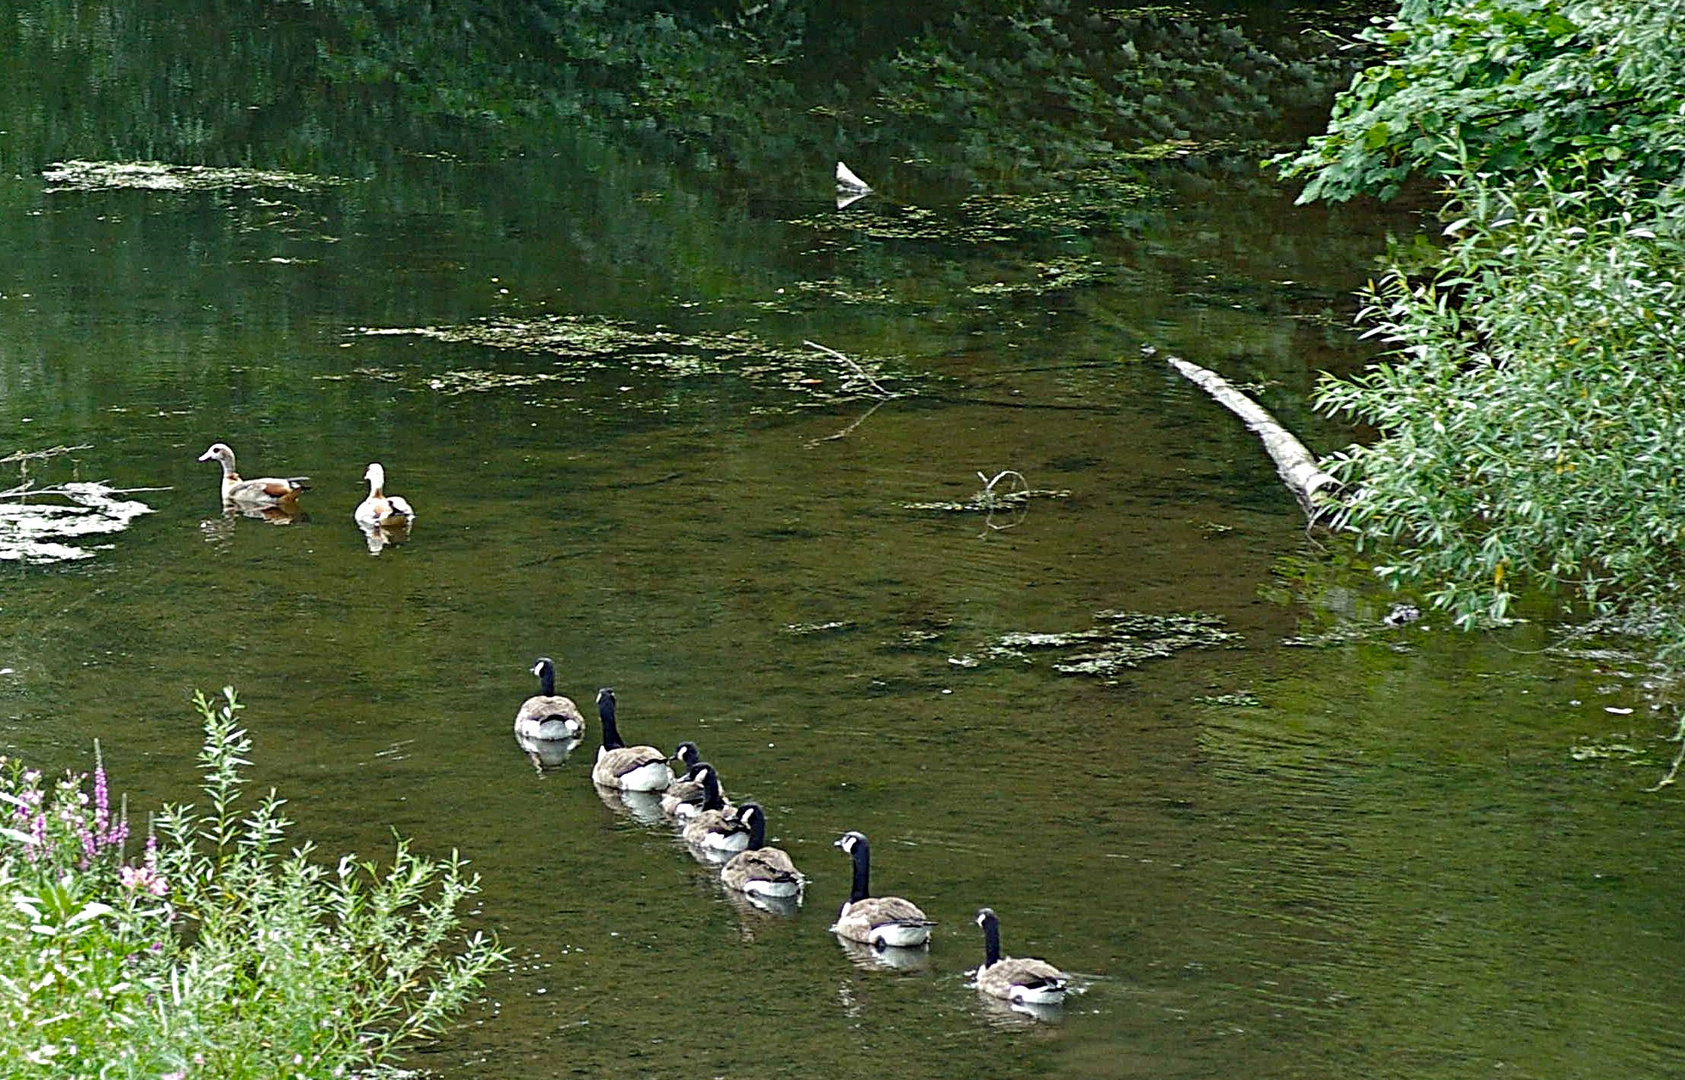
[877, 920]
[758, 869]
[545, 715]
[1021, 981]
[684, 798]
[715, 829]
[630, 768]
[264, 491]
[386, 511]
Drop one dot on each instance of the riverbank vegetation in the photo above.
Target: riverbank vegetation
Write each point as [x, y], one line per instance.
[217, 950]
[1528, 415]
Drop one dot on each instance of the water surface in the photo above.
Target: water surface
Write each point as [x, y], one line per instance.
[1388, 863]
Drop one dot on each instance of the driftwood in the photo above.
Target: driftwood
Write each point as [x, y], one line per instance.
[1297, 468]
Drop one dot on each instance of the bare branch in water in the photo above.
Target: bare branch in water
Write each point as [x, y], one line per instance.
[860, 372]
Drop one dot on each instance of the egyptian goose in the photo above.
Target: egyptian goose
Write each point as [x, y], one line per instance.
[264, 491]
[386, 511]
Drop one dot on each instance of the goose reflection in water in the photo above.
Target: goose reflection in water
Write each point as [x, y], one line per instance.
[762, 908]
[547, 754]
[885, 957]
[380, 537]
[1016, 1015]
[643, 807]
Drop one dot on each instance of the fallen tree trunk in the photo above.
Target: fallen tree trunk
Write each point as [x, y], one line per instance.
[1297, 468]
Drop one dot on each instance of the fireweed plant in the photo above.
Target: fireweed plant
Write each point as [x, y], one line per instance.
[214, 950]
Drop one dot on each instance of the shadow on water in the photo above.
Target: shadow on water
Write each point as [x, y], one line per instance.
[1378, 856]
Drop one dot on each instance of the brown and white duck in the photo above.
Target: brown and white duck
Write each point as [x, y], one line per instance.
[380, 509]
[263, 491]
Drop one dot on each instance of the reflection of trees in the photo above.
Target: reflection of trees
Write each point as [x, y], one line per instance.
[988, 89]
[984, 88]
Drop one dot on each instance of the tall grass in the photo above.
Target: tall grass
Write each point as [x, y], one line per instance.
[217, 950]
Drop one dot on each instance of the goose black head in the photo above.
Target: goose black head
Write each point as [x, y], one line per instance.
[850, 840]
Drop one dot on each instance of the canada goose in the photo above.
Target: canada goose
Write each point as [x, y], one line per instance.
[759, 869]
[1021, 981]
[876, 920]
[684, 798]
[714, 829]
[264, 491]
[545, 715]
[385, 511]
[630, 768]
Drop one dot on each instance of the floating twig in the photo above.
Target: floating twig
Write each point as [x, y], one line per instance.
[860, 372]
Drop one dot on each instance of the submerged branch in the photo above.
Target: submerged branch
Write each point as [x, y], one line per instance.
[1293, 462]
[859, 372]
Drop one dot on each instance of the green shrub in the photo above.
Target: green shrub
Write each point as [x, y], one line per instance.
[1530, 417]
[217, 952]
[1519, 85]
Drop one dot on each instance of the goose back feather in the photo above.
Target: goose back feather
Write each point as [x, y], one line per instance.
[758, 869]
[547, 715]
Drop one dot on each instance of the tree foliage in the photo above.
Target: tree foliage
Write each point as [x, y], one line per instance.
[1519, 84]
[1529, 417]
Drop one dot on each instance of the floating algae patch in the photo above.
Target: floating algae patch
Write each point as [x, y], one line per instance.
[1119, 640]
[468, 382]
[158, 176]
[986, 502]
[1073, 272]
[1086, 202]
[584, 344]
[813, 295]
[809, 629]
[37, 531]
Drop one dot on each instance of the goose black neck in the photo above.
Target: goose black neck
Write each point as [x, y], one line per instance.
[547, 678]
[757, 825]
[862, 872]
[991, 941]
[711, 797]
[605, 713]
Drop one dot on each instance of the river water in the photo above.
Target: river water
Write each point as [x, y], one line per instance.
[1317, 848]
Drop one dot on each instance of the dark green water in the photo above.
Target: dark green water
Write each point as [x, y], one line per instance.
[1390, 866]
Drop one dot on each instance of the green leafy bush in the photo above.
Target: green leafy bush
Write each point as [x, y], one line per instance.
[217, 952]
[1520, 84]
[1531, 417]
